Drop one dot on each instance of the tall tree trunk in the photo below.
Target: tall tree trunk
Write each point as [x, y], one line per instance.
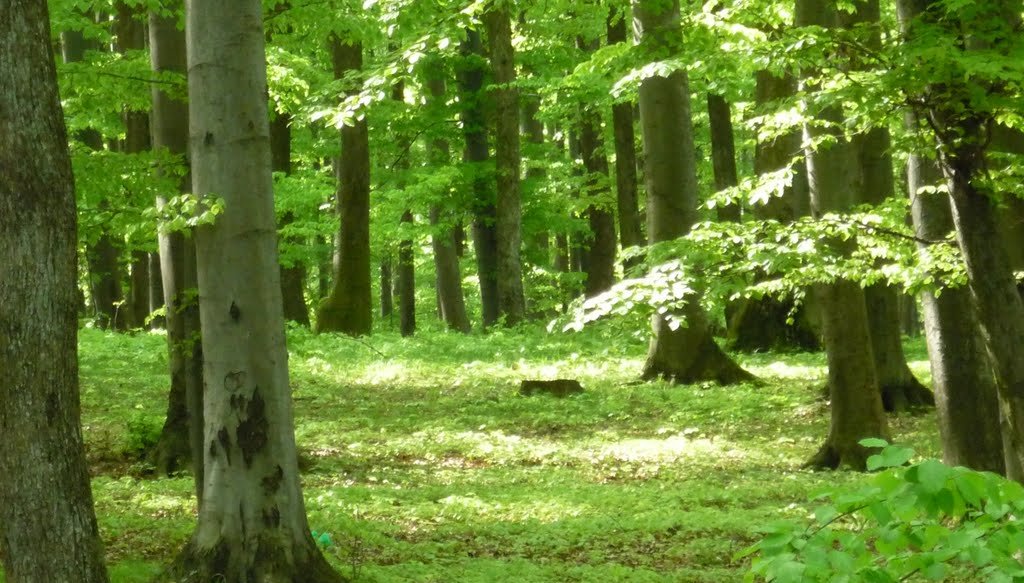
[450, 298]
[630, 228]
[181, 439]
[387, 287]
[102, 255]
[406, 282]
[511, 299]
[723, 152]
[349, 307]
[476, 154]
[601, 251]
[293, 277]
[131, 35]
[45, 500]
[853, 387]
[965, 387]
[761, 324]
[252, 521]
[900, 389]
[687, 354]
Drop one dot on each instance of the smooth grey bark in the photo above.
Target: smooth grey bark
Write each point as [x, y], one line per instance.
[45, 500]
[687, 354]
[965, 384]
[476, 154]
[181, 440]
[508, 215]
[349, 308]
[252, 520]
[293, 277]
[723, 152]
[451, 300]
[626, 187]
[834, 179]
[962, 136]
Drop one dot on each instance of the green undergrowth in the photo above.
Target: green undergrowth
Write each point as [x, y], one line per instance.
[422, 463]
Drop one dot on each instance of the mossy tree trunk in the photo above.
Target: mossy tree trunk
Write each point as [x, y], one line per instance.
[508, 205]
[46, 508]
[687, 354]
[348, 308]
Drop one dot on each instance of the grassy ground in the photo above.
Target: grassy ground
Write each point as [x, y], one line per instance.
[424, 464]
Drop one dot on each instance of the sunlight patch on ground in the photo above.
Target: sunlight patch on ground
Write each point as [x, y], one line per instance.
[786, 370]
[670, 449]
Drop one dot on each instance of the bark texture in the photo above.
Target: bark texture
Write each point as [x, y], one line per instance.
[834, 179]
[723, 152]
[508, 205]
[252, 521]
[348, 308]
[476, 154]
[45, 500]
[687, 354]
[181, 441]
[602, 245]
[965, 386]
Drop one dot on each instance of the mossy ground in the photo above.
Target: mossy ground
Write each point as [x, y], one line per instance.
[422, 463]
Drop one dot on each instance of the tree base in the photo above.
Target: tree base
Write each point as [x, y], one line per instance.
[268, 564]
[759, 325]
[832, 456]
[906, 396]
[710, 364]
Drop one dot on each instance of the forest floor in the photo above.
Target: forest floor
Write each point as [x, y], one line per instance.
[422, 462]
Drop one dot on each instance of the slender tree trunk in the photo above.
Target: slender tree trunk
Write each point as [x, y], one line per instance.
[138, 296]
[156, 291]
[293, 277]
[965, 386]
[853, 387]
[181, 440]
[723, 152]
[406, 282]
[252, 521]
[511, 299]
[687, 354]
[450, 298]
[630, 222]
[387, 287]
[45, 500]
[601, 251]
[474, 129]
[349, 307]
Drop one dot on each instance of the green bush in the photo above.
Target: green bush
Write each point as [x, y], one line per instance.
[922, 522]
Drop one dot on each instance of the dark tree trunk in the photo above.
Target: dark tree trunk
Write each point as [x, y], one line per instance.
[965, 386]
[853, 387]
[511, 299]
[348, 308]
[138, 296]
[759, 325]
[45, 500]
[293, 277]
[601, 251]
[630, 221]
[687, 354]
[900, 389]
[476, 154]
[252, 521]
[450, 299]
[723, 152]
[181, 441]
[406, 282]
